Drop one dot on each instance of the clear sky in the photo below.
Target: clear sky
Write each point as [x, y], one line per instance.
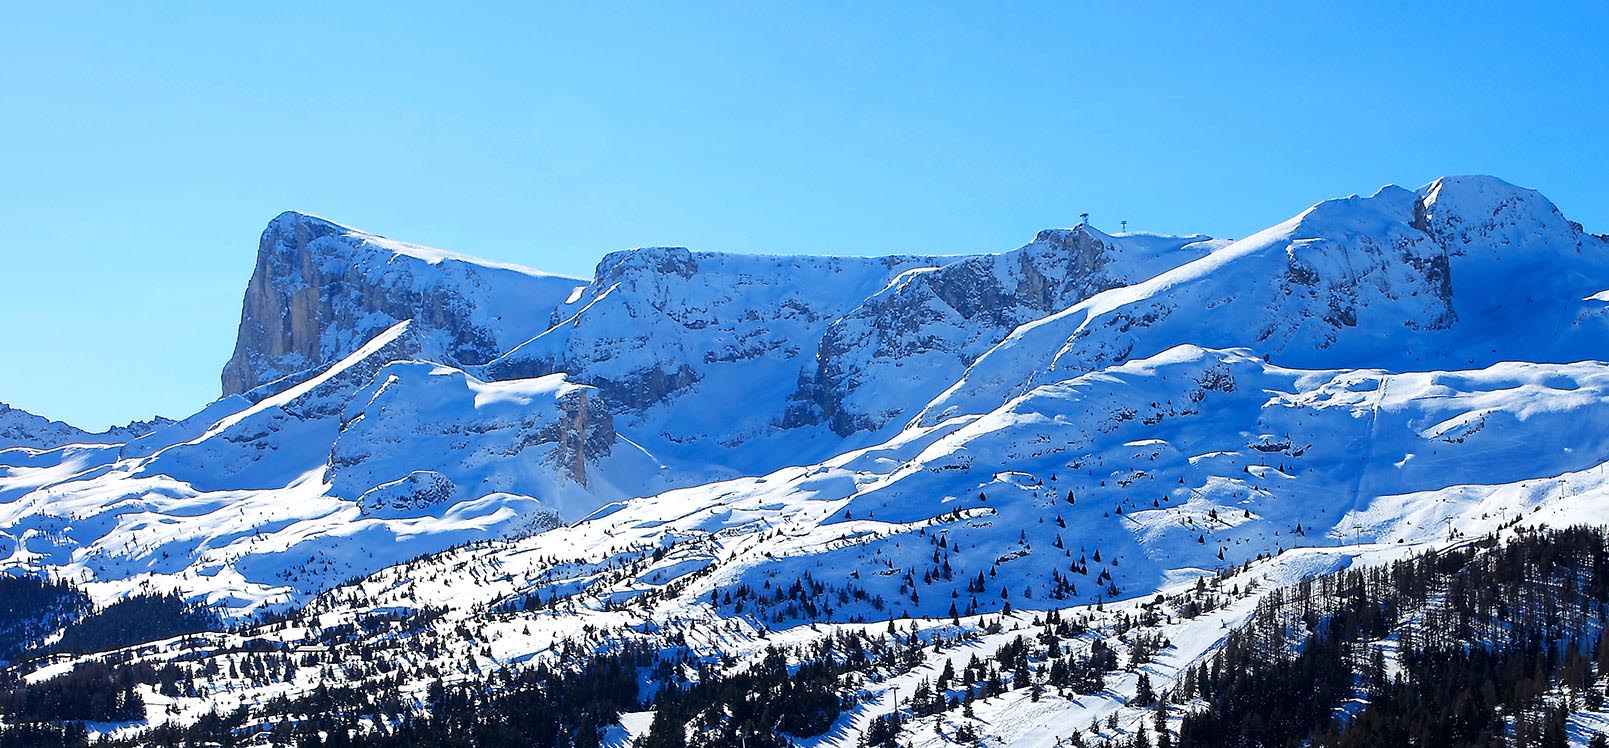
[146, 145]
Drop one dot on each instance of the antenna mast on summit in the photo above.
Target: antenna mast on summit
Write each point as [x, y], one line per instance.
[1083, 219]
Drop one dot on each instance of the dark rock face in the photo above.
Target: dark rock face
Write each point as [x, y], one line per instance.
[418, 491]
[1060, 267]
[585, 432]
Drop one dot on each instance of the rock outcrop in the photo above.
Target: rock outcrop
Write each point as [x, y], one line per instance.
[907, 343]
[701, 347]
[320, 289]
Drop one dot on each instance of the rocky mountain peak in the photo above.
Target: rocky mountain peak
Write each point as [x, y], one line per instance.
[617, 266]
[320, 289]
[20, 428]
[911, 340]
[1465, 210]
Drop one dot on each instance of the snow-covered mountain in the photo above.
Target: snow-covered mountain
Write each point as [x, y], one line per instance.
[698, 353]
[713, 453]
[1466, 271]
[19, 428]
[321, 290]
[914, 338]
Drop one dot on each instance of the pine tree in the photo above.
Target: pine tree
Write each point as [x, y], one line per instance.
[1143, 695]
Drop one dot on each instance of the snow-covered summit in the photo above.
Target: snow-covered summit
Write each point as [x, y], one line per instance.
[1465, 210]
[1464, 272]
[19, 428]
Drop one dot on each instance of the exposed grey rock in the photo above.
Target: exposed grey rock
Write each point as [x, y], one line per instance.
[918, 335]
[416, 491]
[320, 289]
[659, 324]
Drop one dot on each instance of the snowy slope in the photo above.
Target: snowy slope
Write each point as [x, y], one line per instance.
[1466, 271]
[545, 437]
[699, 352]
[1170, 462]
[914, 338]
[714, 568]
[368, 461]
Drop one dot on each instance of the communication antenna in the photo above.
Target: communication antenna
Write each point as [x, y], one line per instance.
[1083, 219]
[1124, 224]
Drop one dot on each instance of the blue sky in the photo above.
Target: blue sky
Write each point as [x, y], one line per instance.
[146, 147]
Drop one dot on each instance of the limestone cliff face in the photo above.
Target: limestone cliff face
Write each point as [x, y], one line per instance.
[319, 290]
[278, 320]
[584, 431]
